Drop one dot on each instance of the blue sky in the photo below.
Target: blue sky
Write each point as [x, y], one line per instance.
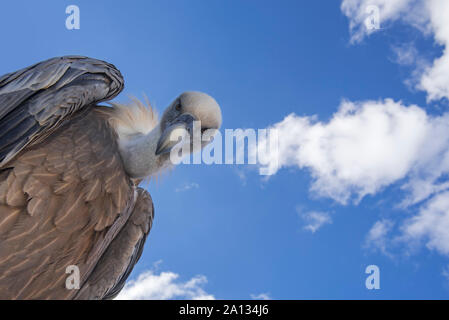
[244, 235]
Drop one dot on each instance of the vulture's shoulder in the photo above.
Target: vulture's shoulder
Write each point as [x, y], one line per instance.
[38, 99]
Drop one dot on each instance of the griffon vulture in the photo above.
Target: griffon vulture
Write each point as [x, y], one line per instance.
[69, 175]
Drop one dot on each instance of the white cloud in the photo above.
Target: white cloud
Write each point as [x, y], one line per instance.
[367, 146]
[425, 172]
[429, 16]
[434, 79]
[187, 186]
[261, 296]
[314, 219]
[163, 286]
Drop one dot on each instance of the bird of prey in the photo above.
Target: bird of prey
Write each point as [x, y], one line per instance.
[69, 176]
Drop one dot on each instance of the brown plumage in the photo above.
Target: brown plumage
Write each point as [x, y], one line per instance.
[58, 198]
[68, 191]
[69, 171]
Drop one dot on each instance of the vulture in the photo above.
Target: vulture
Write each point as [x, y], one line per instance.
[70, 171]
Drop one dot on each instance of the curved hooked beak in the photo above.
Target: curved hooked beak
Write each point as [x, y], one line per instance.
[180, 129]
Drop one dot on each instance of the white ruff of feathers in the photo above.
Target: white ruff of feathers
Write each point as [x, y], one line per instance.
[133, 118]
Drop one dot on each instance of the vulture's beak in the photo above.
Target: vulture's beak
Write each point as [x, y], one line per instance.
[177, 131]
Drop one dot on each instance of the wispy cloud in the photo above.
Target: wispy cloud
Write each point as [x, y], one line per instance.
[261, 296]
[445, 273]
[242, 176]
[405, 54]
[377, 237]
[431, 224]
[187, 186]
[314, 220]
[151, 285]
[389, 11]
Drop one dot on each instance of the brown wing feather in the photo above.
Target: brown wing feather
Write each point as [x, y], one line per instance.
[61, 204]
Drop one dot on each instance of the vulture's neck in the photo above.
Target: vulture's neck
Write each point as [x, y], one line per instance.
[139, 154]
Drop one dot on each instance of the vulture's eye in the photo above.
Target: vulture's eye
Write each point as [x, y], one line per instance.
[178, 106]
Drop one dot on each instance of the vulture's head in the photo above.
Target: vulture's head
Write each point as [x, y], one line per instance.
[179, 118]
[145, 144]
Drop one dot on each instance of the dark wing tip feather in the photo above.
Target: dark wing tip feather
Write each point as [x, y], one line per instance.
[137, 253]
[46, 94]
[115, 265]
[142, 216]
